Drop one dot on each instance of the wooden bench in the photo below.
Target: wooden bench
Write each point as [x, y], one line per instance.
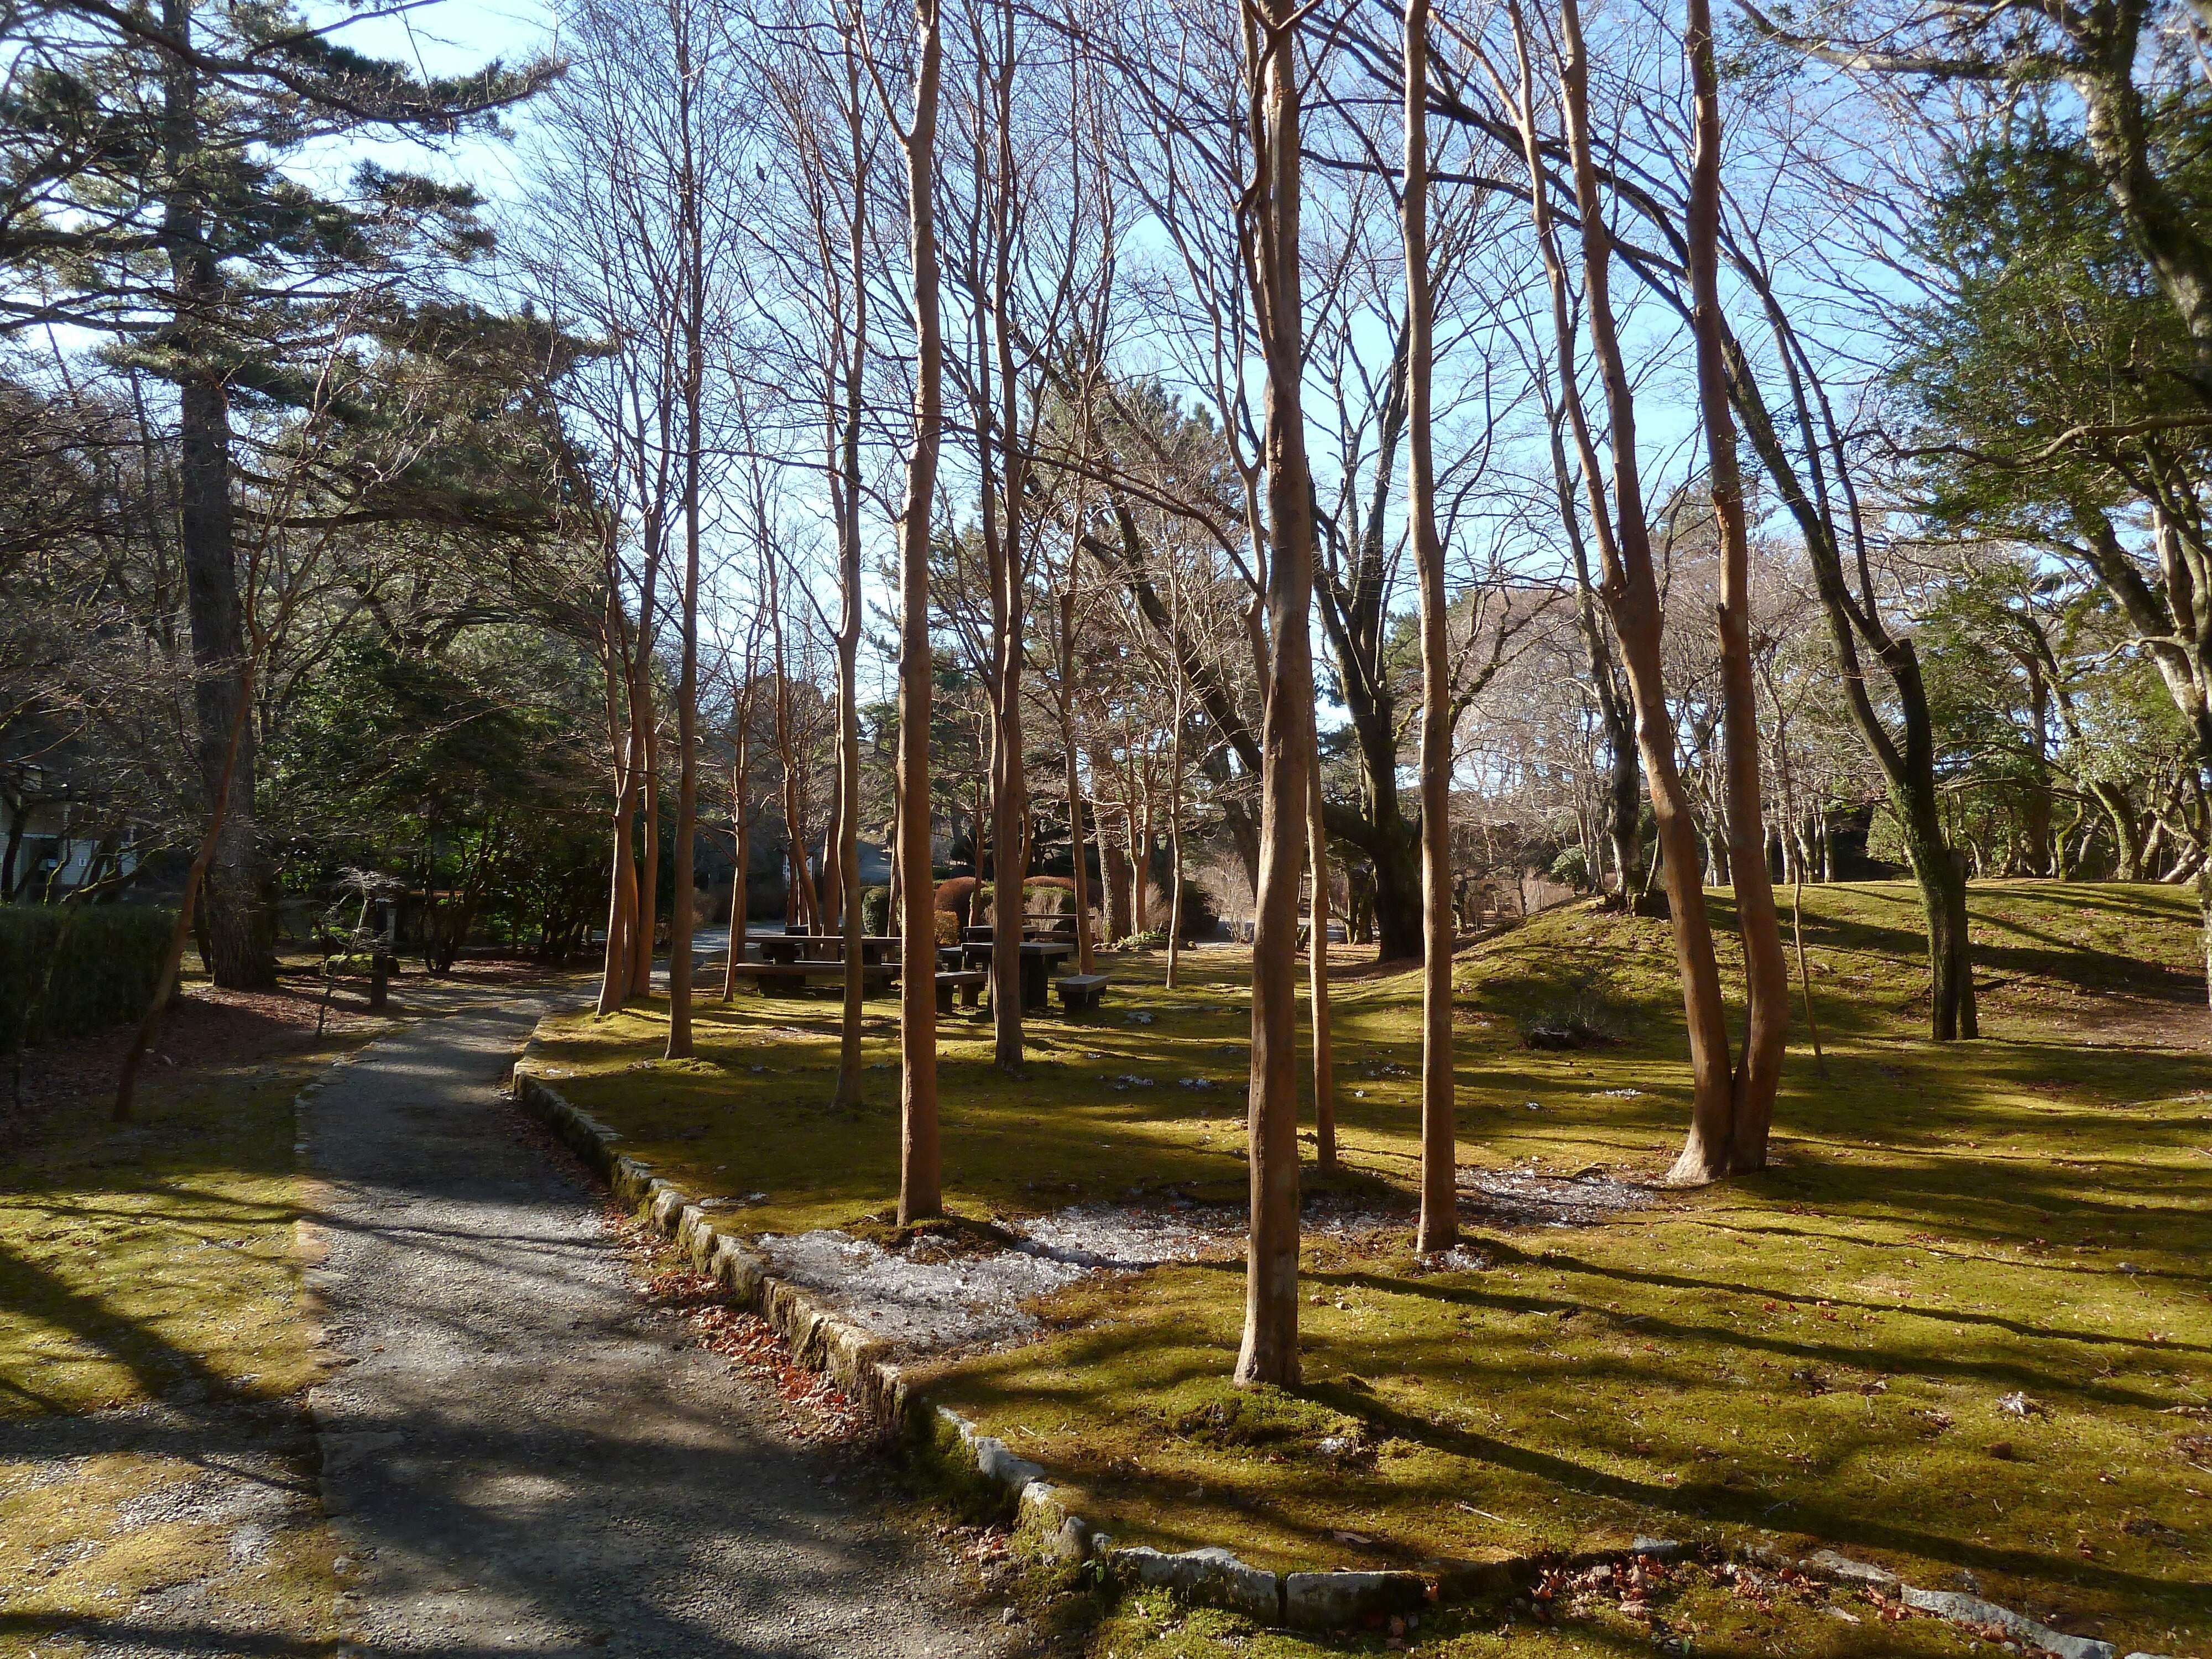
[1080, 991]
[969, 981]
[793, 978]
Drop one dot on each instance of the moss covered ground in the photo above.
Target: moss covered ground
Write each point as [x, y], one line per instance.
[1960, 1328]
[157, 1465]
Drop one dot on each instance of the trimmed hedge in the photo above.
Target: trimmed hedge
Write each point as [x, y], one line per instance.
[105, 962]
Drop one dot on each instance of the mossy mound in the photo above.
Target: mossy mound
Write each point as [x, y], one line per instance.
[1268, 1420]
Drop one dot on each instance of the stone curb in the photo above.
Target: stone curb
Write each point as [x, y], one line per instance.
[823, 1341]
[1953, 1607]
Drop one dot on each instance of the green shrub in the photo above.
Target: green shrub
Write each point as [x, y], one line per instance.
[876, 911]
[66, 970]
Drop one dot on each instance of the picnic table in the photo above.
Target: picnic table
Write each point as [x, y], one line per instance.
[875, 948]
[1038, 955]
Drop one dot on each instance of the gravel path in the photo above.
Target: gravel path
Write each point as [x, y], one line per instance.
[524, 1457]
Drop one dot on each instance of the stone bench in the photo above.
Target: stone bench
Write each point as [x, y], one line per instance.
[1080, 991]
[969, 981]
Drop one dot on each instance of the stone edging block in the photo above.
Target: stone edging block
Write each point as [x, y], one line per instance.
[1953, 1607]
[858, 1364]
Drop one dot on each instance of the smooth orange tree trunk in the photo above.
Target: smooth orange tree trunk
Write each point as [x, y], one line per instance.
[920, 1179]
[1439, 1223]
[1757, 1074]
[1630, 588]
[1269, 1353]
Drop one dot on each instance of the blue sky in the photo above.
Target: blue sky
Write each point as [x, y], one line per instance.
[445, 37]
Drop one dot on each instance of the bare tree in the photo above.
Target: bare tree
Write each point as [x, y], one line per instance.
[1269, 234]
[920, 1164]
[1728, 1145]
[1439, 1223]
[1630, 588]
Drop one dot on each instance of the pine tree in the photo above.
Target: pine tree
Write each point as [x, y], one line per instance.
[154, 194]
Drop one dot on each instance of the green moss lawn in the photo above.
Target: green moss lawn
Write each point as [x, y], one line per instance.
[157, 1265]
[1960, 1328]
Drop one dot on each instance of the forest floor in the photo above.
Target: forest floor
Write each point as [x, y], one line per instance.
[1959, 1327]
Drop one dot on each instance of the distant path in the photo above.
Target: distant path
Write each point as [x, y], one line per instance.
[520, 1455]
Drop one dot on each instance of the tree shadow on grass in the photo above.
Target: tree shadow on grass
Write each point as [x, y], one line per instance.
[2004, 1374]
[1708, 1501]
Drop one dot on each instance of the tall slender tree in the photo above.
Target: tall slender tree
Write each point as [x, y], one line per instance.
[1439, 1223]
[1270, 235]
[920, 1179]
[1737, 1142]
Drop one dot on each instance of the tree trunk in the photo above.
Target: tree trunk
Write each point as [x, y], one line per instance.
[1758, 1072]
[2038, 813]
[1174, 839]
[684, 898]
[741, 838]
[1140, 858]
[845, 501]
[630, 768]
[172, 954]
[1009, 828]
[1630, 591]
[919, 1165]
[1395, 858]
[2127, 829]
[239, 922]
[1324, 1054]
[649, 858]
[1439, 1222]
[1269, 1353]
[1005, 551]
[1114, 870]
[1075, 839]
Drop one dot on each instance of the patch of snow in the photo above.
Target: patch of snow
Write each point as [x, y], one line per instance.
[1525, 1199]
[928, 1306]
[1459, 1260]
[1123, 1239]
[927, 1302]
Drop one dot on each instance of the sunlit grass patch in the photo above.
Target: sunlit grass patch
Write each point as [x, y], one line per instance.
[126, 1546]
[156, 1260]
[155, 1467]
[1708, 1616]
